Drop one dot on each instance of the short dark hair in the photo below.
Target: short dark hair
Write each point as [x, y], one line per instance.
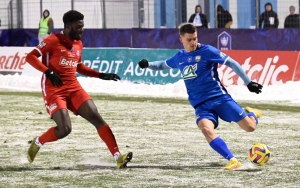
[72, 16]
[187, 28]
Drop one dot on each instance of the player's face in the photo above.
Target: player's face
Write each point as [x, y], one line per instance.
[76, 30]
[189, 41]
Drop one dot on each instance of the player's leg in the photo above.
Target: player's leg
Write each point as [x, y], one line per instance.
[253, 115]
[57, 110]
[207, 121]
[249, 122]
[230, 111]
[255, 111]
[88, 110]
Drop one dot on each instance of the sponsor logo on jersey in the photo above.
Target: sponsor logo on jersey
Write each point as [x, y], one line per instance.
[52, 107]
[189, 72]
[68, 62]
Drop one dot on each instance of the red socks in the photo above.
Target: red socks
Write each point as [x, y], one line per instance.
[104, 132]
[108, 137]
[48, 136]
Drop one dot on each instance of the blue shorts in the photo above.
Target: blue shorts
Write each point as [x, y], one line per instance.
[224, 107]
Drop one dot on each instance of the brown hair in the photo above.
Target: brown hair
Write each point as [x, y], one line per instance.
[187, 28]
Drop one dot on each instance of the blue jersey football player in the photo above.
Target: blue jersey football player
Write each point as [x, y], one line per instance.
[198, 64]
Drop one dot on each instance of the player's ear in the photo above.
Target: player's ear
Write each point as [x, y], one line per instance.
[68, 26]
[180, 39]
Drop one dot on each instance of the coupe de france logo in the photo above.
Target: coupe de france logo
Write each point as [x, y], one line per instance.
[224, 41]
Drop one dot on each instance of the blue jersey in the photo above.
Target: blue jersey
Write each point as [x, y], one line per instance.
[199, 71]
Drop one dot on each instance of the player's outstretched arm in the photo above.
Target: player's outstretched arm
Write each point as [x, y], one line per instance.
[32, 59]
[87, 71]
[235, 66]
[155, 65]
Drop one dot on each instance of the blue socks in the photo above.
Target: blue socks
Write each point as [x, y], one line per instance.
[253, 115]
[220, 147]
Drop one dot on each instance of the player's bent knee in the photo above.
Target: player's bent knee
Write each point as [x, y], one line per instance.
[206, 131]
[68, 130]
[247, 125]
[63, 131]
[250, 129]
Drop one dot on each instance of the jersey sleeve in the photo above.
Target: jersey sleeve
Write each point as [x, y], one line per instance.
[216, 56]
[172, 62]
[46, 46]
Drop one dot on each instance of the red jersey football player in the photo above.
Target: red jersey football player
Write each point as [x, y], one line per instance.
[61, 59]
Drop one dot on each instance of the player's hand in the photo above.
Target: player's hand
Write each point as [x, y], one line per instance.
[109, 76]
[255, 87]
[143, 63]
[54, 78]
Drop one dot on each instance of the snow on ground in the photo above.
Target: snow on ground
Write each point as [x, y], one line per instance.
[289, 91]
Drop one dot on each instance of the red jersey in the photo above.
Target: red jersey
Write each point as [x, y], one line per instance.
[61, 55]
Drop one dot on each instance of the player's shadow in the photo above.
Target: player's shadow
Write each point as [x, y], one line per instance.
[179, 167]
[212, 166]
[56, 168]
[207, 166]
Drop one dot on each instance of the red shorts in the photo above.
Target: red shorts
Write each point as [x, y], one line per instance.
[66, 99]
